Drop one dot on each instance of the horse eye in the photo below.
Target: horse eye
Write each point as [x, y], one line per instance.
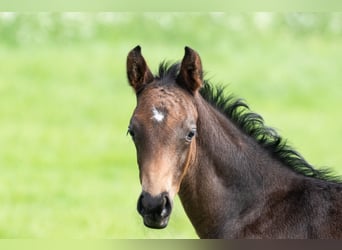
[130, 132]
[190, 135]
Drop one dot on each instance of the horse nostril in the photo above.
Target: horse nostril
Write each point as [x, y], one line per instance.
[166, 207]
[140, 206]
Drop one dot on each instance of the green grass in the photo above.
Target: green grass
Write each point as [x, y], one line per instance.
[67, 167]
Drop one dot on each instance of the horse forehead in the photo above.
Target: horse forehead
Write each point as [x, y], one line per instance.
[161, 100]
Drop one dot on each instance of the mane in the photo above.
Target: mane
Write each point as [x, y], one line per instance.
[168, 70]
[252, 124]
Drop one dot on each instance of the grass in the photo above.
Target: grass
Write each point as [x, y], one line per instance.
[67, 167]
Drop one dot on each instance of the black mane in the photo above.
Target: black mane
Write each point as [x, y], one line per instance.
[252, 124]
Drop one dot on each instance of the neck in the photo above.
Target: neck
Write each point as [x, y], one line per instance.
[225, 187]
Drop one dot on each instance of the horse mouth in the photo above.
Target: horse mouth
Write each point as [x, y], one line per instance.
[156, 223]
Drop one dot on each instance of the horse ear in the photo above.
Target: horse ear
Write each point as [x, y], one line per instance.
[191, 74]
[138, 72]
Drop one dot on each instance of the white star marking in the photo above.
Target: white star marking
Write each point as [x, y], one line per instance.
[157, 115]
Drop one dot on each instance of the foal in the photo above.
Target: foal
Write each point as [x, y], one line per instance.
[236, 178]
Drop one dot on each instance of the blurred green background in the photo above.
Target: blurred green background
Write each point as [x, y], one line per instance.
[67, 167]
